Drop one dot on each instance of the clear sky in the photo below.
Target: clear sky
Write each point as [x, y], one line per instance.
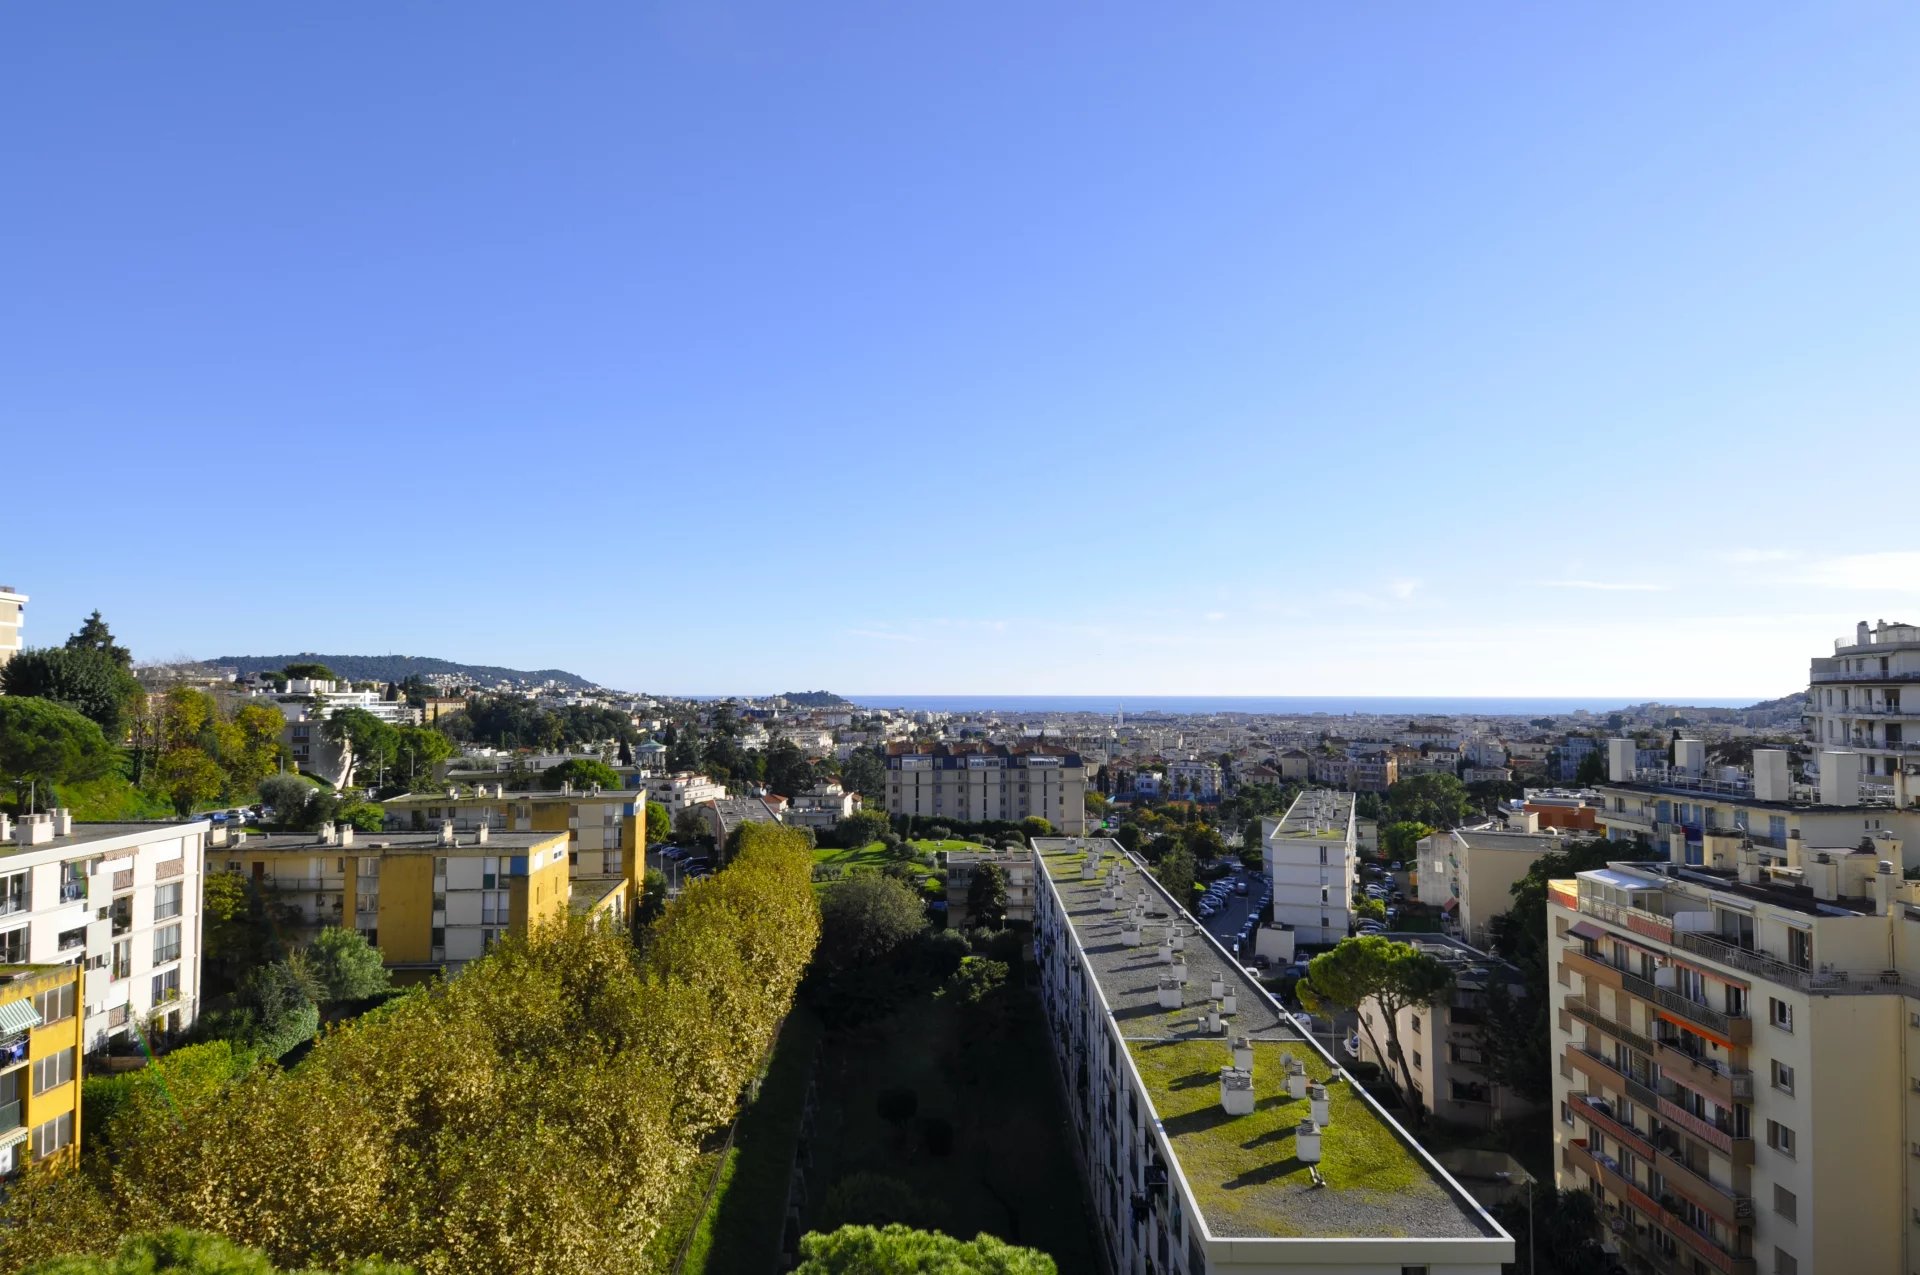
[943, 348]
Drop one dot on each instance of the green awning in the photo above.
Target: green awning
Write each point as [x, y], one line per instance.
[18, 1016]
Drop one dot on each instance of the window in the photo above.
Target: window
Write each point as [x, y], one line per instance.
[1780, 1138]
[122, 959]
[1786, 1203]
[166, 901]
[52, 1071]
[122, 912]
[56, 1004]
[73, 940]
[1779, 1013]
[166, 987]
[1782, 1076]
[439, 938]
[1416, 1058]
[1416, 1024]
[490, 870]
[13, 947]
[15, 895]
[166, 945]
[53, 1135]
[1785, 1263]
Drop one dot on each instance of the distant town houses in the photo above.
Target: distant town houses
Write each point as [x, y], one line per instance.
[988, 782]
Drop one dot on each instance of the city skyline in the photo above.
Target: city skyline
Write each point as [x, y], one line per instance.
[1246, 352]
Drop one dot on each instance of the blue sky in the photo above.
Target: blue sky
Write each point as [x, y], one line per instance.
[942, 348]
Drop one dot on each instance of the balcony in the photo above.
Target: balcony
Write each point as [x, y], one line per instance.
[1639, 920]
[1733, 1209]
[1874, 676]
[1618, 1030]
[1722, 1082]
[1601, 1069]
[10, 1118]
[1737, 1030]
[1721, 1139]
[1590, 967]
[1707, 1247]
[1590, 1110]
[1577, 1156]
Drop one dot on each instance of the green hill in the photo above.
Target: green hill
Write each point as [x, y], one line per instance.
[398, 668]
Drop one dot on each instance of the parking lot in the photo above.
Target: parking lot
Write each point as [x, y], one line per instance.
[1226, 924]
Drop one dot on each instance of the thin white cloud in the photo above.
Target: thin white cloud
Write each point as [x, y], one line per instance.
[1214, 617]
[1895, 571]
[1402, 588]
[1605, 586]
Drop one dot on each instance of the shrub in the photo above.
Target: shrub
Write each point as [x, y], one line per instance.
[975, 979]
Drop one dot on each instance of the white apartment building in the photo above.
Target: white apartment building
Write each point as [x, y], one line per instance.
[1252, 1173]
[822, 806]
[1468, 873]
[677, 792]
[1737, 1059]
[1854, 697]
[1194, 779]
[1018, 869]
[1311, 857]
[13, 620]
[120, 899]
[974, 783]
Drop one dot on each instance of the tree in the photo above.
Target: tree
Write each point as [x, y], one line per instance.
[583, 773]
[94, 635]
[1175, 871]
[1402, 840]
[789, 773]
[309, 671]
[289, 797]
[43, 743]
[189, 778]
[84, 680]
[987, 896]
[975, 979]
[1386, 977]
[1592, 769]
[691, 828]
[1035, 826]
[364, 741]
[237, 936]
[346, 966]
[859, 828]
[864, 918]
[177, 1251]
[900, 1250]
[659, 824]
[865, 773]
[1439, 800]
[1567, 1233]
[653, 898]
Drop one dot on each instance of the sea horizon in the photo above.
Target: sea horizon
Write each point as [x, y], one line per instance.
[1283, 705]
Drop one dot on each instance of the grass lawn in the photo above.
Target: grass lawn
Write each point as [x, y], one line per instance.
[984, 1071]
[744, 1228]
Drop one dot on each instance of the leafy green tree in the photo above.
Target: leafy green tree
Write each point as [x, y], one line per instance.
[1035, 826]
[692, 828]
[177, 1251]
[290, 797]
[1370, 910]
[365, 742]
[653, 897]
[865, 772]
[1386, 977]
[347, 967]
[84, 680]
[237, 938]
[43, 743]
[1175, 871]
[1567, 1233]
[309, 671]
[417, 750]
[582, 773]
[1592, 769]
[899, 1250]
[659, 824]
[94, 635]
[189, 778]
[864, 918]
[859, 828]
[987, 896]
[1202, 841]
[788, 771]
[1402, 840]
[976, 978]
[1438, 800]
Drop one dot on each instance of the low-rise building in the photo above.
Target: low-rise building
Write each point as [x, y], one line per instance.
[678, 791]
[1215, 1136]
[977, 783]
[13, 620]
[1445, 1040]
[1469, 873]
[425, 899]
[822, 806]
[1016, 866]
[121, 900]
[41, 1044]
[1194, 779]
[1311, 855]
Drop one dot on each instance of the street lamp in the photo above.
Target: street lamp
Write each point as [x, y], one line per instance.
[1513, 1178]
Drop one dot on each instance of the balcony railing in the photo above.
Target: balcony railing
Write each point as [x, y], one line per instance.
[1874, 676]
[1636, 1087]
[1735, 1028]
[1731, 1207]
[1590, 1109]
[1607, 1173]
[1591, 967]
[1707, 1131]
[1639, 920]
[10, 1117]
[1702, 1073]
[1728, 952]
[1613, 1027]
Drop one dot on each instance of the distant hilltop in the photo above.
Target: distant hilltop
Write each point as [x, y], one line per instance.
[816, 699]
[398, 668]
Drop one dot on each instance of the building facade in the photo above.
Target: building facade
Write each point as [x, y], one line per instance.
[1469, 873]
[1243, 1175]
[1016, 866]
[122, 900]
[976, 783]
[13, 622]
[1735, 1074]
[677, 792]
[40, 1054]
[1865, 697]
[822, 806]
[1311, 856]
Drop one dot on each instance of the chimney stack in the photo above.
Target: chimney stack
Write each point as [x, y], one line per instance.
[1839, 777]
[1884, 884]
[446, 832]
[346, 834]
[1306, 1142]
[1243, 1053]
[1170, 992]
[1321, 1107]
[62, 822]
[1236, 1091]
[1296, 1073]
[480, 835]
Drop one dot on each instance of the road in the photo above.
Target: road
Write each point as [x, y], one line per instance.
[1225, 924]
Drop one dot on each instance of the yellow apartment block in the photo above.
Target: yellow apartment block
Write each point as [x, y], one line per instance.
[40, 1043]
[606, 833]
[426, 899]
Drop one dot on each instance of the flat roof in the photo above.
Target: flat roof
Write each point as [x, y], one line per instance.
[1318, 814]
[537, 794]
[85, 834]
[312, 842]
[1240, 1169]
[586, 893]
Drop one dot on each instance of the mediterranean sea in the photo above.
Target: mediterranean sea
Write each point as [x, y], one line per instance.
[1274, 705]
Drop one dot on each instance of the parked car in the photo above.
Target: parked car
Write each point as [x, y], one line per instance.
[1241, 888]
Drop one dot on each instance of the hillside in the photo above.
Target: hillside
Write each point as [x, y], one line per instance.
[815, 699]
[397, 668]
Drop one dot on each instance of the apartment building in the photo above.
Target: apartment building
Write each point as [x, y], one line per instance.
[1736, 1077]
[1445, 1039]
[606, 832]
[1194, 779]
[13, 621]
[973, 783]
[1854, 697]
[121, 900]
[1214, 1135]
[425, 899]
[1016, 866]
[1311, 855]
[822, 806]
[40, 1049]
[1686, 814]
[677, 792]
[1468, 873]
